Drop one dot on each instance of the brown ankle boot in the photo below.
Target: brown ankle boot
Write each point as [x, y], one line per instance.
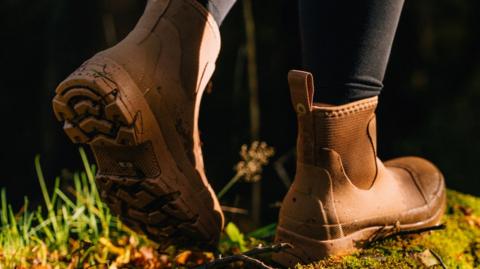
[342, 193]
[137, 106]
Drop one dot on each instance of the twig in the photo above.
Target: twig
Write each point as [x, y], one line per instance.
[234, 210]
[266, 249]
[245, 257]
[438, 258]
[386, 232]
[231, 259]
[422, 230]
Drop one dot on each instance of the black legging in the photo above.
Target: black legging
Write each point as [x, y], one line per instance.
[345, 43]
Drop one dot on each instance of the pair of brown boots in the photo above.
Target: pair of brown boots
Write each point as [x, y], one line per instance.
[137, 106]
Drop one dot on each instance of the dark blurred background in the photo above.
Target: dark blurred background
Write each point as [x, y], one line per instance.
[430, 105]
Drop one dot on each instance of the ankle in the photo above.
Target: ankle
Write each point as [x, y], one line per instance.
[218, 8]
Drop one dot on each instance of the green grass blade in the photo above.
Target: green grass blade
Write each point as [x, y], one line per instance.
[264, 232]
[4, 208]
[64, 198]
[13, 221]
[41, 180]
[43, 226]
[56, 187]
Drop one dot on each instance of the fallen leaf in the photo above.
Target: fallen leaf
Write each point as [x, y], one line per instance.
[427, 258]
[183, 257]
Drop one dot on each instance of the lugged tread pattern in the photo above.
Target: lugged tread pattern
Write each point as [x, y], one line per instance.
[87, 115]
[129, 179]
[161, 215]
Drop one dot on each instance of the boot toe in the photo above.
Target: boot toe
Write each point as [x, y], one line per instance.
[426, 175]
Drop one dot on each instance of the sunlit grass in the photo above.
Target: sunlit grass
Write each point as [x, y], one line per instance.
[74, 229]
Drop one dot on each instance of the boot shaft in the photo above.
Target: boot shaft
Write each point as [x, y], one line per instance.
[175, 42]
[349, 130]
[169, 58]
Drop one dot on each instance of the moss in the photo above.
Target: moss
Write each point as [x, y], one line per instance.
[458, 245]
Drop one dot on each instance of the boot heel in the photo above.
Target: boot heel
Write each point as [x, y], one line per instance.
[92, 108]
[307, 250]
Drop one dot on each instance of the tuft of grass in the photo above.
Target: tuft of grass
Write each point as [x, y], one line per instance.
[74, 229]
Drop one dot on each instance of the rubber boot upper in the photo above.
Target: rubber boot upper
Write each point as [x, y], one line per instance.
[137, 104]
[342, 192]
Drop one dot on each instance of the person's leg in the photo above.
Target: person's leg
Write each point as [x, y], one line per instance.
[343, 194]
[218, 8]
[346, 46]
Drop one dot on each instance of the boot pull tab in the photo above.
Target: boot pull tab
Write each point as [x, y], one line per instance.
[301, 90]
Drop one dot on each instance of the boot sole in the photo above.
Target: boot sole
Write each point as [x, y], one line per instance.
[307, 250]
[151, 189]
